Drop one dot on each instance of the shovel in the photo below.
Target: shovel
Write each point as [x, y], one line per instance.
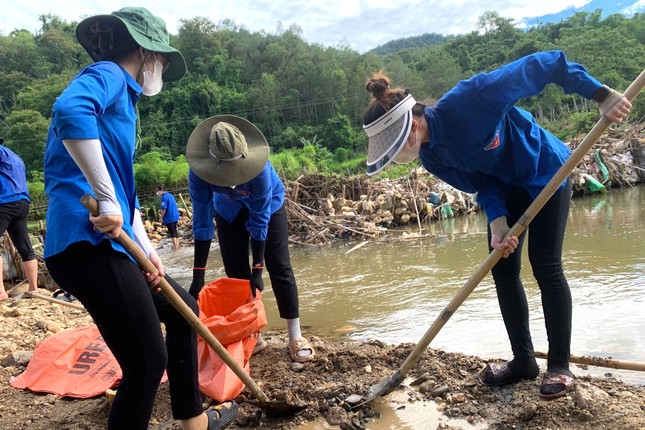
[388, 385]
[171, 295]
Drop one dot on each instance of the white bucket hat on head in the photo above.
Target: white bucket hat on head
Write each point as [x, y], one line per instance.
[388, 134]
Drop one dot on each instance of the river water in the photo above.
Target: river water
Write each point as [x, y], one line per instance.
[393, 290]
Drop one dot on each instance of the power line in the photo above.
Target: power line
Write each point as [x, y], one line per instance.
[257, 110]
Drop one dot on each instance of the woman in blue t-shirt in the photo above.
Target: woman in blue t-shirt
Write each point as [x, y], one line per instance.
[90, 149]
[478, 141]
[231, 179]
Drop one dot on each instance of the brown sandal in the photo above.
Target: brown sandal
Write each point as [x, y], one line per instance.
[553, 380]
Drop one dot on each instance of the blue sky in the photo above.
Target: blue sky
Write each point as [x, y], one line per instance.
[360, 24]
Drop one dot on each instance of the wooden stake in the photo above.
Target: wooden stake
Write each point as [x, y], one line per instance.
[612, 363]
[188, 214]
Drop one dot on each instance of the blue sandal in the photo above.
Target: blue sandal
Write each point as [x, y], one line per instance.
[220, 416]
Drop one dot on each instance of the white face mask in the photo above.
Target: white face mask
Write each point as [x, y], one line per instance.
[152, 81]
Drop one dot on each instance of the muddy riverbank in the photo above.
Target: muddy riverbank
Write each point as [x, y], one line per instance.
[445, 385]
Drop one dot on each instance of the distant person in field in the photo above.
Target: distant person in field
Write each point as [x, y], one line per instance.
[477, 140]
[169, 214]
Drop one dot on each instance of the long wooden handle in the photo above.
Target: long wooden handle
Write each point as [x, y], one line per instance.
[521, 224]
[601, 361]
[53, 300]
[146, 265]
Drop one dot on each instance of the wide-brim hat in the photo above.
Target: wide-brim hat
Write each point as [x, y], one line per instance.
[147, 30]
[201, 152]
[388, 134]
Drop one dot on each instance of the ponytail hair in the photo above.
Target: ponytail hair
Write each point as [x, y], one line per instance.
[384, 97]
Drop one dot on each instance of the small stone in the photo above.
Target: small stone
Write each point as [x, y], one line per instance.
[18, 358]
[336, 415]
[297, 367]
[354, 399]
[53, 327]
[440, 391]
[458, 398]
[528, 412]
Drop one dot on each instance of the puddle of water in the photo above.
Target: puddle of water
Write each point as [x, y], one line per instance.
[399, 413]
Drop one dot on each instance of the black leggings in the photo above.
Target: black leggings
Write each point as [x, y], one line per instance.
[128, 314]
[234, 246]
[13, 218]
[546, 235]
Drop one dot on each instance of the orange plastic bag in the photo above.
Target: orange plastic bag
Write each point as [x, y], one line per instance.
[235, 318]
[73, 363]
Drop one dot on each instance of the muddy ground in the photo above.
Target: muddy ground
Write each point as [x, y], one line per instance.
[342, 371]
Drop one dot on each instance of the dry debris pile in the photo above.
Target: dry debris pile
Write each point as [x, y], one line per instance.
[616, 160]
[323, 207]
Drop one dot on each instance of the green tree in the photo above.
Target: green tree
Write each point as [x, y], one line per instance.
[42, 93]
[26, 137]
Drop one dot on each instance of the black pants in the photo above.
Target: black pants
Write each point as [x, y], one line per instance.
[545, 236]
[13, 218]
[128, 314]
[172, 229]
[234, 241]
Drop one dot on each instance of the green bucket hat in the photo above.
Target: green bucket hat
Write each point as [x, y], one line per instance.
[106, 36]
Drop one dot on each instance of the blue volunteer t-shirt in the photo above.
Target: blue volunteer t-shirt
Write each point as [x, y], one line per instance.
[99, 103]
[169, 205]
[13, 182]
[481, 142]
[262, 195]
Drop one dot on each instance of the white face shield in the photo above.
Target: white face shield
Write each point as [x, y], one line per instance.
[388, 135]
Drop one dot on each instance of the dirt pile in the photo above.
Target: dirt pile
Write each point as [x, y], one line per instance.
[340, 376]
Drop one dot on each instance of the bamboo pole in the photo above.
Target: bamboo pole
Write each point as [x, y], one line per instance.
[53, 300]
[600, 361]
[188, 214]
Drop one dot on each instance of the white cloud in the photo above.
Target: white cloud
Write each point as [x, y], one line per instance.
[639, 6]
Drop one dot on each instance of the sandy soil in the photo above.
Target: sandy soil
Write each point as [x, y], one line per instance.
[342, 373]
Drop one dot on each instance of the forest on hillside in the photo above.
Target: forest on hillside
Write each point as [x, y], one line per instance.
[308, 99]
